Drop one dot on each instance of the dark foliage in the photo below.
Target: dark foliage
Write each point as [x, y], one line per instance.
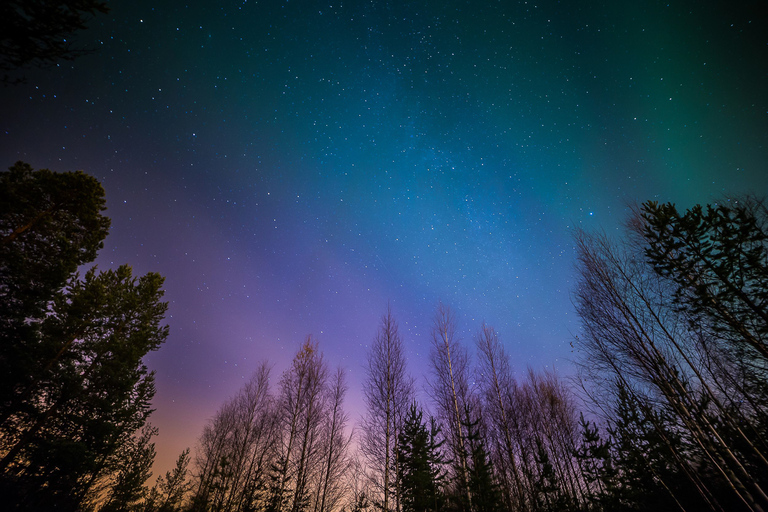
[675, 323]
[39, 32]
[420, 464]
[74, 387]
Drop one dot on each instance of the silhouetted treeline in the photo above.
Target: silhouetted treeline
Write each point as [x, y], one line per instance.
[284, 449]
[669, 410]
[675, 352]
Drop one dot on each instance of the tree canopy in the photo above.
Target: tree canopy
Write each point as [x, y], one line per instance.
[75, 391]
[39, 32]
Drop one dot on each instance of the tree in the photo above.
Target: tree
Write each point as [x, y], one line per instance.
[75, 388]
[596, 463]
[301, 413]
[132, 469]
[169, 491]
[716, 261]
[717, 257]
[237, 449]
[359, 484]
[336, 442]
[420, 464]
[482, 484]
[642, 447]
[548, 489]
[657, 321]
[497, 389]
[96, 390]
[388, 390]
[50, 224]
[552, 439]
[449, 388]
[38, 32]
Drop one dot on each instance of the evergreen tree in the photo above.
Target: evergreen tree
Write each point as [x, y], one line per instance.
[718, 258]
[133, 467]
[678, 313]
[548, 492]
[596, 464]
[482, 486]
[37, 32]
[420, 464]
[168, 493]
[74, 387]
[50, 224]
[648, 477]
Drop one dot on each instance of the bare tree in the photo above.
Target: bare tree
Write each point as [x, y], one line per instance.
[497, 386]
[634, 331]
[450, 391]
[301, 409]
[556, 425]
[277, 453]
[336, 444]
[236, 448]
[359, 482]
[209, 456]
[252, 437]
[388, 390]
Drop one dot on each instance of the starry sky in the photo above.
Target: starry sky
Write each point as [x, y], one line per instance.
[292, 167]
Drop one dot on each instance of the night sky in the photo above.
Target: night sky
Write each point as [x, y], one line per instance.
[291, 167]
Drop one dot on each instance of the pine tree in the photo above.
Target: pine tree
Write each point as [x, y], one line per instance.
[133, 467]
[677, 312]
[37, 33]
[50, 224]
[648, 477]
[718, 258]
[73, 387]
[170, 489]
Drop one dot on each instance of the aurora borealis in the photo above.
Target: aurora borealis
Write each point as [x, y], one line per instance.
[291, 167]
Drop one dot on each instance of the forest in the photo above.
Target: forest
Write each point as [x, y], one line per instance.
[668, 410]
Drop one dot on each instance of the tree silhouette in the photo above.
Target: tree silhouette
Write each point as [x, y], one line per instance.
[420, 463]
[675, 315]
[75, 388]
[39, 32]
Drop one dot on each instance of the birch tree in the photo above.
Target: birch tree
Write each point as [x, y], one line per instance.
[336, 462]
[644, 325]
[497, 387]
[236, 449]
[388, 390]
[450, 390]
[301, 410]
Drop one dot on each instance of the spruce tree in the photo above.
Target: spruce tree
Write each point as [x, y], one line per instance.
[486, 495]
[420, 463]
[648, 474]
[596, 464]
[548, 493]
